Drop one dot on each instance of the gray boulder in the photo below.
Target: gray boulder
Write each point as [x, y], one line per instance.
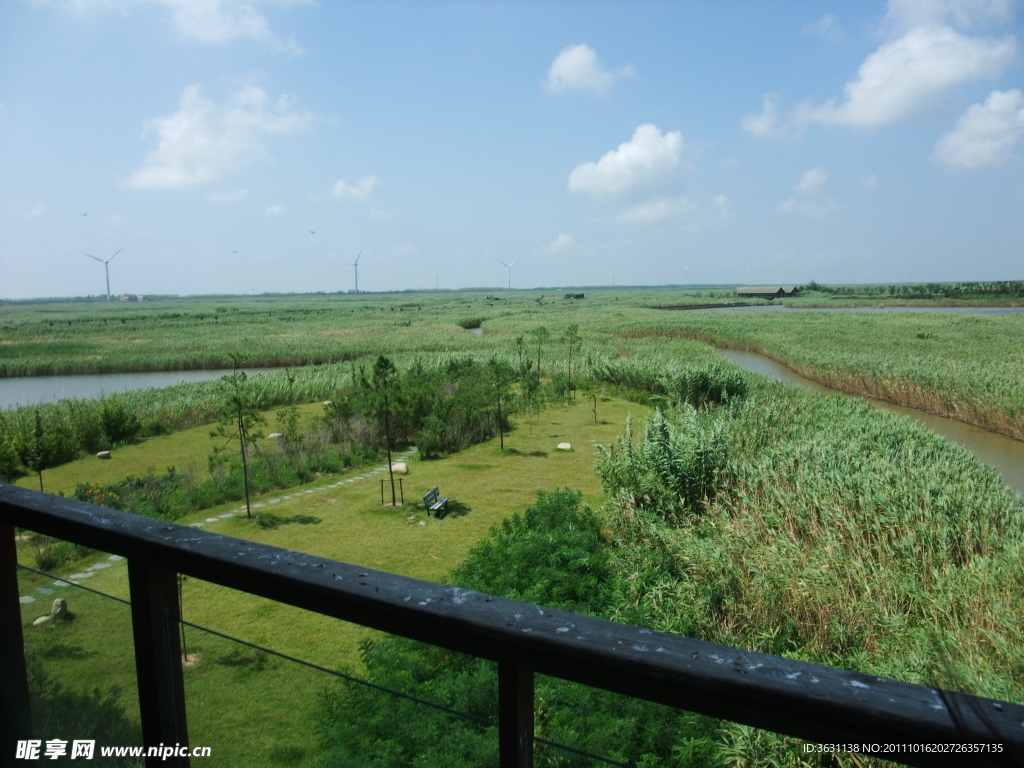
[58, 613]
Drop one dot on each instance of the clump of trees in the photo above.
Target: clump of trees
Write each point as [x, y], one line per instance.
[551, 554]
[36, 439]
[440, 409]
[675, 469]
[995, 289]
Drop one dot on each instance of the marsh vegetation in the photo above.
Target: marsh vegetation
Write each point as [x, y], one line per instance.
[698, 499]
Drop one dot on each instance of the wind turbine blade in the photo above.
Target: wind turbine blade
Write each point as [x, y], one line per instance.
[506, 266]
[357, 259]
[118, 251]
[513, 264]
[96, 258]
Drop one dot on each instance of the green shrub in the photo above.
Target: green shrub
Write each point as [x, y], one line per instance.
[551, 554]
[673, 470]
[52, 553]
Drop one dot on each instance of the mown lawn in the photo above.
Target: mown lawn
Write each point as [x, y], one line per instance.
[253, 708]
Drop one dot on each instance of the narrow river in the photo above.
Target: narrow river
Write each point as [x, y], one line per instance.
[29, 390]
[1003, 453]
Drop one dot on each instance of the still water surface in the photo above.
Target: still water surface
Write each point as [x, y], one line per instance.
[940, 310]
[30, 390]
[1003, 453]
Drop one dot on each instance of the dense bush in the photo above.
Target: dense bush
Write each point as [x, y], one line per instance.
[442, 409]
[674, 470]
[698, 384]
[843, 535]
[551, 554]
[55, 433]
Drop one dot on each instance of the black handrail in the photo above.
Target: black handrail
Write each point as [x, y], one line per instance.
[809, 701]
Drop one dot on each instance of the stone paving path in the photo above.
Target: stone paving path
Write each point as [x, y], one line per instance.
[89, 572]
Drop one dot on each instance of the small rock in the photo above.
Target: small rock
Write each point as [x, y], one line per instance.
[327, 402]
[274, 435]
[565, 446]
[400, 467]
[58, 612]
[103, 455]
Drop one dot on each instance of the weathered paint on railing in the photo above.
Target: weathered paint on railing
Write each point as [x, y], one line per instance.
[813, 702]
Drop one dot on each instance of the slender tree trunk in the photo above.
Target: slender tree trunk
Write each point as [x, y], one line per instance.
[245, 462]
[501, 430]
[387, 438]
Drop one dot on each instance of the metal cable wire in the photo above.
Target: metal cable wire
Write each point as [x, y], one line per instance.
[344, 676]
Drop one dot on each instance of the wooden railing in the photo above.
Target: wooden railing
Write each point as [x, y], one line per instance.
[812, 702]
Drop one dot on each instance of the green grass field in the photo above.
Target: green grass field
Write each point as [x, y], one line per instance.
[257, 709]
[755, 566]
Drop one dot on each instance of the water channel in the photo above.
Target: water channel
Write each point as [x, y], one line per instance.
[938, 310]
[29, 390]
[1003, 453]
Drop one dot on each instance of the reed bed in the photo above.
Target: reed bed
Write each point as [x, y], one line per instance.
[841, 534]
[966, 367]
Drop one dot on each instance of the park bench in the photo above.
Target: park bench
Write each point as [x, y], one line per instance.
[435, 504]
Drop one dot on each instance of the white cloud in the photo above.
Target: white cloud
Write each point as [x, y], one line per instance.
[34, 212]
[644, 157]
[207, 21]
[808, 198]
[908, 74]
[357, 191]
[921, 62]
[561, 243]
[228, 197]
[576, 68]
[224, 21]
[827, 28]
[658, 209]
[203, 141]
[985, 134]
[812, 179]
[769, 124]
[870, 181]
[274, 210]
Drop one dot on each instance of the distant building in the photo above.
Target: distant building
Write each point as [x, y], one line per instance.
[131, 297]
[766, 291]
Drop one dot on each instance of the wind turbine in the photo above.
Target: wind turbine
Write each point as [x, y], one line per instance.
[745, 273]
[509, 268]
[613, 277]
[355, 265]
[106, 267]
[685, 281]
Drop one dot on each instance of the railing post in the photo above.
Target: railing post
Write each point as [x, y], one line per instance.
[515, 716]
[155, 620]
[15, 718]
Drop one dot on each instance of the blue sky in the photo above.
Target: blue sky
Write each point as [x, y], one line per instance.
[232, 146]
